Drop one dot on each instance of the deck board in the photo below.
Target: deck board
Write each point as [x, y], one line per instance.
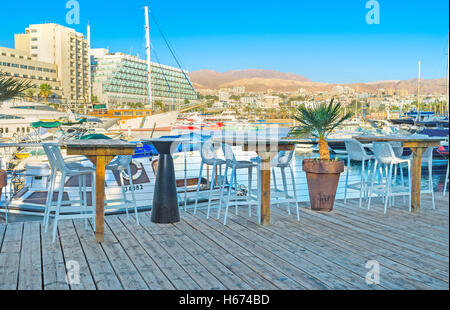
[322, 251]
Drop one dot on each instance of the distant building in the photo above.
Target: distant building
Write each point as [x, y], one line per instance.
[239, 90]
[66, 48]
[119, 78]
[403, 92]
[271, 101]
[224, 96]
[249, 100]
[338, 89]
[20, 64]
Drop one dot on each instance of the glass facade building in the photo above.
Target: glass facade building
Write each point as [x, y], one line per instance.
[119, 79]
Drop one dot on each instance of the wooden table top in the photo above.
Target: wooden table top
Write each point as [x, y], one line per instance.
[254, 140]
[397, 138]
[98, 147]
[97, 143]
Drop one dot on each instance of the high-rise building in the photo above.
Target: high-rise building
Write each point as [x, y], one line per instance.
[66, 48]
[118, 79]
[19, 64]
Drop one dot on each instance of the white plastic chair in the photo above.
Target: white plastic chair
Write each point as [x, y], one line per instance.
[283, 161]
[446, 180]
[385, 156]
[72, 209]
[428, 158]
[357, 152]
[122, 164]
[209, 158]
[5, 197]
[235, 199]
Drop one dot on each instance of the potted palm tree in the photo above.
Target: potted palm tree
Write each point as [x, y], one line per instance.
[322, 174]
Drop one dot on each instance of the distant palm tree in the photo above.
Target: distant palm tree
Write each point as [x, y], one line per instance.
[45, 91]
[11, 88]
[320, 121]
[159, 103]
[29, 94]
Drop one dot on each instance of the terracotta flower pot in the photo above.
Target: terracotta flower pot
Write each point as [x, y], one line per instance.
[323, 178]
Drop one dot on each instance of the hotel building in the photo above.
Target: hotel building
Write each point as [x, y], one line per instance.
[118, 79]
[65, 48]
[20, 64]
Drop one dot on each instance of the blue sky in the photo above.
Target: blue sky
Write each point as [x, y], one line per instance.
[326, 41]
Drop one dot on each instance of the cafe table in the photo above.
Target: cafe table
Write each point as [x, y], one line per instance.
[418, 146]
[100, 152]
[266, 148]
[165, 201]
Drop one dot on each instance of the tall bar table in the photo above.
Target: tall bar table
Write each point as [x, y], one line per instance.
[100, 152]
[165, 201]
[266, 148]
[418, 146]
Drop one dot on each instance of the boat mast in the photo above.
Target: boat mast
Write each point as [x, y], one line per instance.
[418, 96]
[149, 66]
[89, 72]
[447, 77]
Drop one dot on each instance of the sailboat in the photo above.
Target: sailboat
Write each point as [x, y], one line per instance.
[146, 121]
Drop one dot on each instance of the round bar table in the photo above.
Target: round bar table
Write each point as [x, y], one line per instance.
[165, 202]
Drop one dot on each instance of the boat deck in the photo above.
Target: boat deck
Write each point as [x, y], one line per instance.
[322, 251]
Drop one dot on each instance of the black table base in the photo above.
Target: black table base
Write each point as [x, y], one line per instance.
[165, 202]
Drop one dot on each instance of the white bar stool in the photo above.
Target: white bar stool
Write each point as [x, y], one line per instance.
[236, 199]
[385, 156]
[357, 152]
[122, 164]
[71, 209]
[209, 158]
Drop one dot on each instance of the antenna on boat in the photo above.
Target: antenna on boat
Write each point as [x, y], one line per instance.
[149, 65]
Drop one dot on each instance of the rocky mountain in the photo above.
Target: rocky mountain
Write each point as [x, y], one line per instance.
[427, 86]
[213, 79]
[256, 80]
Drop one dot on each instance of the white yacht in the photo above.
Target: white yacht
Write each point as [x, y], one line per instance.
[16, 117]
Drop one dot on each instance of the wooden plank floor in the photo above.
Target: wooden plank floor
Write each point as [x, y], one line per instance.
[322, 251]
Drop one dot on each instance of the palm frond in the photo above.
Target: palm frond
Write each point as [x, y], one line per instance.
[11, 87]
[319, 120]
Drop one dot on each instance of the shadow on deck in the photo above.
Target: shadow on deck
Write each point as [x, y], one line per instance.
[322, 251]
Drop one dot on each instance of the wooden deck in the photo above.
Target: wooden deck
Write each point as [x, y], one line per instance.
[322, 251]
